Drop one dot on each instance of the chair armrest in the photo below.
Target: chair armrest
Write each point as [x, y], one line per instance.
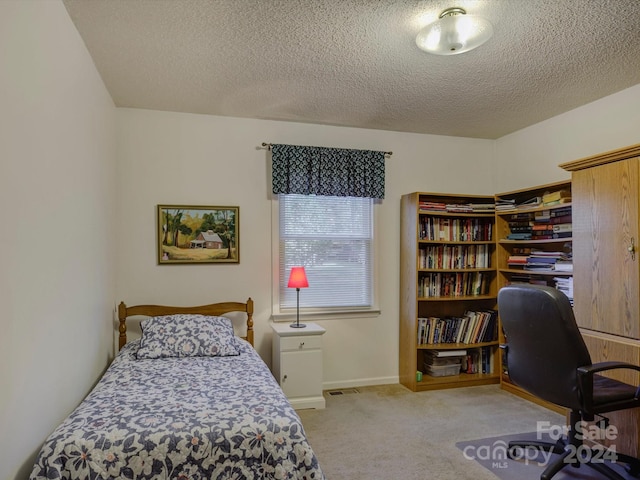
[603, 366]
[585, 378]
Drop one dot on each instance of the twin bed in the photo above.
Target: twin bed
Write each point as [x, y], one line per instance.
[188, 400]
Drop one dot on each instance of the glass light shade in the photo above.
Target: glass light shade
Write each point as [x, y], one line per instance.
[298, 278]
[454, 33]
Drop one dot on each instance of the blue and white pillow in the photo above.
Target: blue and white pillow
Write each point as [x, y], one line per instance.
[187, 335]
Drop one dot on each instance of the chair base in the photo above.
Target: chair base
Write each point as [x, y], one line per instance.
[575, 456]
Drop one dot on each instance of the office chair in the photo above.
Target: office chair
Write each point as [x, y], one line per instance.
[546, 356]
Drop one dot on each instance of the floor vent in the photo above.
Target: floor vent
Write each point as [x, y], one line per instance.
[343, 391]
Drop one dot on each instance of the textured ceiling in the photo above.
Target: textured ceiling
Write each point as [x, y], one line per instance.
[355, 62]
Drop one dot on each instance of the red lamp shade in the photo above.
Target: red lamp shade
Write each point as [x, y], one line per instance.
[298, 278]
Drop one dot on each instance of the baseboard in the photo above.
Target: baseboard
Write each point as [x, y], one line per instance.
[361, 382]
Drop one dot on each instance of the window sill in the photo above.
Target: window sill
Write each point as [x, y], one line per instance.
[315, 316]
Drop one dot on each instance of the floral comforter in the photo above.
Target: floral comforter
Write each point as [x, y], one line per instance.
[181, 418]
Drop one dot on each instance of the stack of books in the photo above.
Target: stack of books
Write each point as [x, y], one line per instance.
[556, 198]
[503, 204]
[441, 363]
[432, 206]
[565, 285]
[541, 261]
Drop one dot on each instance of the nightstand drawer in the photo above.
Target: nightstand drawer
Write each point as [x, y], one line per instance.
[308, 342]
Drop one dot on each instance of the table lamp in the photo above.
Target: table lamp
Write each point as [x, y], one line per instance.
[298, 280]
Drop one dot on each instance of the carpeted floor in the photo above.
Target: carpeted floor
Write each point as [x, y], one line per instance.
[491, 454]
[389, 432]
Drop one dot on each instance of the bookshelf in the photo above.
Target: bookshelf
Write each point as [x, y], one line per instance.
[534, 244]
[448, 290]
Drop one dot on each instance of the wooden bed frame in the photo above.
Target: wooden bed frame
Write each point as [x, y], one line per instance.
[214, 309]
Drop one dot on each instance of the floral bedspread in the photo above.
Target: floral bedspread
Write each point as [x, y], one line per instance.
[181, 418]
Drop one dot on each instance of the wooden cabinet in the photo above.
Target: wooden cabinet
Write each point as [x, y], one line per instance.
[297, 363]
[534, 245]
[606, 202]
[447, 269]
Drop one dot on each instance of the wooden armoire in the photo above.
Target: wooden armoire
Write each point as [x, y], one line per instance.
[606, 204]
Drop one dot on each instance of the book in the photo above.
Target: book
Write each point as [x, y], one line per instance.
[562, 227]
[555, 196]
[558, 202]
[532, 202]
[560, 212]
[545, 259]
[448, 353]
[560, 219]
[564, 266]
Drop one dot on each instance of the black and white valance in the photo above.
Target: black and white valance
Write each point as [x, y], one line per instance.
[336, 172]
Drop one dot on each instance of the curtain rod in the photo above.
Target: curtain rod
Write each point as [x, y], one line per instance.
[268, 147]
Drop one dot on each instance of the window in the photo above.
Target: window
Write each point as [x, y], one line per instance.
[333, 238]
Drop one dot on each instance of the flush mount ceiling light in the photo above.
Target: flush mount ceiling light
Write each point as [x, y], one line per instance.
[455, 32]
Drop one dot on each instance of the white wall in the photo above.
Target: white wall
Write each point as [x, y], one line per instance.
[57, 191]
[531, 156]
[184, 159]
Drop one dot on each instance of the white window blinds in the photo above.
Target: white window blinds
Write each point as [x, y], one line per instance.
[332, 237]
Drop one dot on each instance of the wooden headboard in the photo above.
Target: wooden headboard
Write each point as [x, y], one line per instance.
[214, 309]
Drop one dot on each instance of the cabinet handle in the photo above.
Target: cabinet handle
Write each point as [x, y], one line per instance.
[632, 249]
[301, 344]
[284, 378]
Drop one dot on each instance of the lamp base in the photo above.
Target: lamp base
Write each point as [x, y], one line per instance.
[297, 325]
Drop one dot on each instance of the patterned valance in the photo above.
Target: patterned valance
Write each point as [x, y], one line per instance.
[336, 172]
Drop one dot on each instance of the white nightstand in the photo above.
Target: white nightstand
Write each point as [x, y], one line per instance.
[297, 363]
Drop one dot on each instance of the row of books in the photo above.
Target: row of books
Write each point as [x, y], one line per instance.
[479, 360]
[473, 327]
[476, 360]
[455, 229]
[541, 225]
[461, 284]
[558, 215]
[455, 256]
[547, 199]
[456, 207]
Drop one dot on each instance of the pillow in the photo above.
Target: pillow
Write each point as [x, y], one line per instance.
[186, 335]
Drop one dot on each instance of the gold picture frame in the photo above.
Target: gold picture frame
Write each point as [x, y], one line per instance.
[198, 234]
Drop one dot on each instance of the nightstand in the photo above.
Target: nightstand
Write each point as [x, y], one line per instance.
[297, 363]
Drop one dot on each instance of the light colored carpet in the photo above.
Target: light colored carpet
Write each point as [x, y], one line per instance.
[388, 432]
[531, 464]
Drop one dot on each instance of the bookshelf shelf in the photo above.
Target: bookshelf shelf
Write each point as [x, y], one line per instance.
[448, 272]
[554, 273]
[533, 242]
[455, 270]
[460, 298]
[455, 346]
[438, 213]
[455, 381]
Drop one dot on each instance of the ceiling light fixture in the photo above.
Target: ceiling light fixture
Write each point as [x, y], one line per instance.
[455, 32]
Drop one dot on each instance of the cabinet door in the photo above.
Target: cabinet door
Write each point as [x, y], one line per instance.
[605, 226]
[301, 373]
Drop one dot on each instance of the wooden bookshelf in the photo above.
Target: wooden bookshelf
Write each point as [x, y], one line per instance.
[447, 268]
[527, 210]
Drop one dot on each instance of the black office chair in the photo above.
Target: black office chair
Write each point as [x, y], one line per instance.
[546, 356]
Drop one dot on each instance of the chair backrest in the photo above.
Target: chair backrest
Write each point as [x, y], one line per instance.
[545, 346]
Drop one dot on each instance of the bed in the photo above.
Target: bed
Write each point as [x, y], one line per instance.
[180, 403]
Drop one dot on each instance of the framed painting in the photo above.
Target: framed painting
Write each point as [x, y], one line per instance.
[198, 234]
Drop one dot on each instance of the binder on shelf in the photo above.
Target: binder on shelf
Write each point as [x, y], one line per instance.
[448, 353]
